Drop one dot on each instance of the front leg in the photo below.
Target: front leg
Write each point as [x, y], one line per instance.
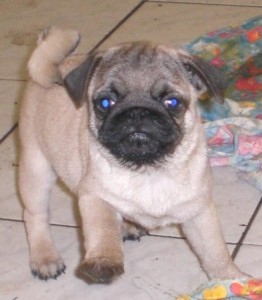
[204, 234]
[102, 240]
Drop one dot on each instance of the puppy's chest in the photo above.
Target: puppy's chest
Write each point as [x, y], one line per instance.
[156, 194]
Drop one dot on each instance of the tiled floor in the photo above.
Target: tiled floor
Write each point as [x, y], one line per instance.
[160, 266]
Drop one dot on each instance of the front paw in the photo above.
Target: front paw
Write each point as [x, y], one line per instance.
[100, 270]
[47, 267]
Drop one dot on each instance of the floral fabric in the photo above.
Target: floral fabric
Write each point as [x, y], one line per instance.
[234, 129]
[228, 290]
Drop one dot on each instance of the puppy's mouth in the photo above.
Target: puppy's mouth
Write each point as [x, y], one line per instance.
[139, 144]
[138, 149]
[139, 136]
[139, 140]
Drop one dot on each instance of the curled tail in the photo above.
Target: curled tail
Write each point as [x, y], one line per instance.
[53, 46]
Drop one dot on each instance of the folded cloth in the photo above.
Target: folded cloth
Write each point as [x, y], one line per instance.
[234, 129]
[237, 142]
[244, 288]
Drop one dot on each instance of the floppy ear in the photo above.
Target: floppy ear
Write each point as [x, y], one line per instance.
[203, 76]
[78, 79]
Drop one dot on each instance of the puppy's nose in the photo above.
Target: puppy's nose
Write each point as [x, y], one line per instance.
[137, 114]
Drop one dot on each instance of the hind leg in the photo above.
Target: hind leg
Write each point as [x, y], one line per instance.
[36, 179]
[132, 231]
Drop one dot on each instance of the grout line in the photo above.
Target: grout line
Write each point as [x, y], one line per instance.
[166, 236]
[11, 220]
[8, 133]
[253, 245]
[51, 224]
[244, 234]
[12, 79]
[64, 225]
[183, 238]
[201, 3]
[135, 9]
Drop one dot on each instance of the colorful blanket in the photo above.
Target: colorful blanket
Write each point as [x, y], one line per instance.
[234, 129]
[228, 290]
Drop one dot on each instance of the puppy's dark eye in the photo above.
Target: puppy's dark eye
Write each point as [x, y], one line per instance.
[172, 103]
[105, 104]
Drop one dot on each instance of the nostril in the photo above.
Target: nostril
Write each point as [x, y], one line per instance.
[144, 113]
[138, 114]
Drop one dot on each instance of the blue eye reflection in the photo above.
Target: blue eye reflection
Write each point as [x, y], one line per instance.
[105, 103]
[171, 103]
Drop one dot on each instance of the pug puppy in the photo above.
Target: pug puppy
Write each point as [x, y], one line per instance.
[121, 129]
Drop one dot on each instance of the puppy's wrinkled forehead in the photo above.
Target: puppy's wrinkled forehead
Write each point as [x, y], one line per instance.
[141, 64]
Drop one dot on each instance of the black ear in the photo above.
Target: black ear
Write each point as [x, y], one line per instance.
[203, 76]
[78, 79]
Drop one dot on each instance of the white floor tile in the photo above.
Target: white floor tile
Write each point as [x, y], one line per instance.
[236, 201]
[10, 94]
[155, 268]
[249, 259]
[176, 24]
[254, 235]
[22, 20]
